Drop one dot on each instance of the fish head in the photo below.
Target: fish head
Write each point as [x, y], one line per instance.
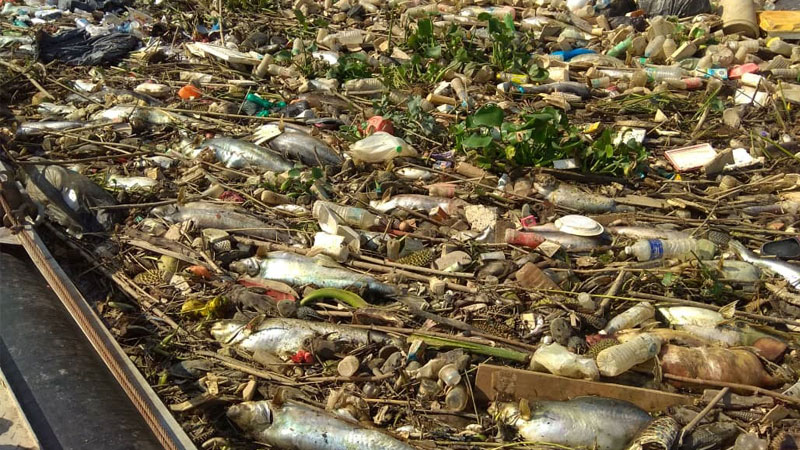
[255, 416]
[228, 332]
[544, 183]
[247, 266]
[165, 211]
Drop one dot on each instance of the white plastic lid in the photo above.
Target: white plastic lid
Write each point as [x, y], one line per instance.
[579, 225]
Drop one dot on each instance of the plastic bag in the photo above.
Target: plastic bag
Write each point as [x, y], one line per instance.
[680, 8]
[77, 48]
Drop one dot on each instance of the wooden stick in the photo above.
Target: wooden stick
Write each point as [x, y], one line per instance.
[689, 426]
[744, 387]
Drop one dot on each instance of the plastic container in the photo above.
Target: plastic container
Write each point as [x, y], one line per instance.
[357, 217]
[663, 73]
[620, 358]
[457, 399]
[524, 239]
[449, 375]
[738, 71]
[739, 17]
[649, 249]
[630, 318]
[558, 360]
[380, 147]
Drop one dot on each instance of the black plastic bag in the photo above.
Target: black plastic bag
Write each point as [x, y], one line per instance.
[77, 48]
[680, 8]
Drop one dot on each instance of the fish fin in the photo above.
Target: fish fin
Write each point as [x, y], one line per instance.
[729, 311]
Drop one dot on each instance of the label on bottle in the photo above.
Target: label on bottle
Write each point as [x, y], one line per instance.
[656, 248]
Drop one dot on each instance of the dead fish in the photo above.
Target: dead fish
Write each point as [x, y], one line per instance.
[637, 232]
[131, 183]
[413, 173]
[236, 154]
[152, 116]
[293, 425]
[284, 337]
[690, 315]
[299, 270]
[568, 196]
[297, 144]
[716, 364]
[223, 217]
[789, 272]
[418, 202]
[37, 128]
[606, 423]
[660, 434]
[68, 198]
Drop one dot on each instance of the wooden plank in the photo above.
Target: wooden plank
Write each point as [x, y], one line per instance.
[493, 382]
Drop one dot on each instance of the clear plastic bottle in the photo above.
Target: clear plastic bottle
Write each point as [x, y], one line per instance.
[357, 217]
[379, 147]
[663, 73]
[558, 360]
[654, 47]
[496, 11]
[620, 358]
[345, 38]
[422, 10]
[363, 84]
[630, 318]
[752, 45]
[649, 249]
[669, 47]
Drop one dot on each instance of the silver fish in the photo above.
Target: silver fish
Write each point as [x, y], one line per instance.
[284, 337]
[297, 144]
[295, 426]
[641, 232]
[568, 196]
[36, 128]
[606, 423]
[418, 202]
[690, 315]
[148, 115]
[413, 173]
[68, 198]
[789, 272]
[300, 270]
[236, 153]
[223, 217]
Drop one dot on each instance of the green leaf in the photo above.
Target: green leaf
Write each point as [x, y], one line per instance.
[511, 151]
[668, 279]
[316, 173]
[425, 28]
[477, 141]
[509, 22]
[294, 173]
[484, 16]
[434, 52]
[487, 116]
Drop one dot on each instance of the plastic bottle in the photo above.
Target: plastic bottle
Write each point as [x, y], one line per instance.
[630, 318]
[601, 82]
[654, 47]
[663, 73]
[497, 11]
[522, 238]
[779, 46]
[345, 38]
[638, 78]
[649, 249]
[357, 217]
[558, 360]
[785, 74]
[749, 441]
[620, 48]
[751, 45]
[619, 358]
[422, 10]
[669, 47]
[363, 84]
[379, 147]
